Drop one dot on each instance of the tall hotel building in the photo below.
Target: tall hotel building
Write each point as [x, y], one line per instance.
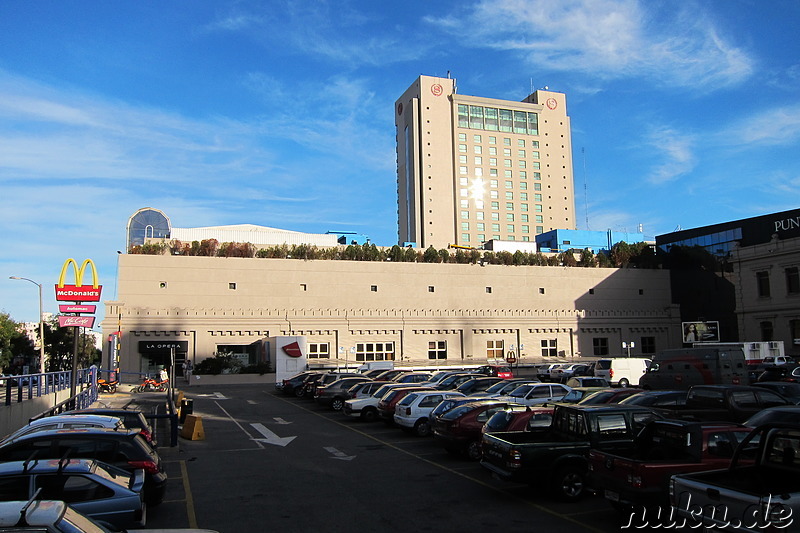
[473, 169]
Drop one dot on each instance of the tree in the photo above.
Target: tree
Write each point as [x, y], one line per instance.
[13, 342]
[587, 259]
[60, 345]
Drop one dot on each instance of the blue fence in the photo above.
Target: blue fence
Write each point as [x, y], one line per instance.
[17, 389]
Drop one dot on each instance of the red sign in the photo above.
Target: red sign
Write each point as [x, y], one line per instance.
[77, 308]
[81, 321]
[78, 292]
[293, 350]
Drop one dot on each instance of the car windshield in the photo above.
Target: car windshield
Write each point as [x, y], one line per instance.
[458, 411]
[499, 421]
[409, 399]
[437, 376]
[521, 391]
[598, 397]
[501, 385]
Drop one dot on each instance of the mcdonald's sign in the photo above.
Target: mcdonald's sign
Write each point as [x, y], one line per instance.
[78, 292]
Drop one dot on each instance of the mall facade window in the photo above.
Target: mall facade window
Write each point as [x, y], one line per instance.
[766, 330]
[319, 350]
[437, 350]
[762, 284]
[375, 351]
[792, 280]
[549, 347]
[600, 346]
[647, 345]
[494, 349]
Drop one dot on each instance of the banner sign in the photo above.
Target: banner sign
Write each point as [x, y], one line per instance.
[71, 308]
[78, 292]
[700, 331]
[79, 321]
[160, 347]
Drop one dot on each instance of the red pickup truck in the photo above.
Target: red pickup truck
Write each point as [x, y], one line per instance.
[663, 448]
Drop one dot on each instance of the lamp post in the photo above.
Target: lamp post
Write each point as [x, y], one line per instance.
[41, 322]
[628, 346]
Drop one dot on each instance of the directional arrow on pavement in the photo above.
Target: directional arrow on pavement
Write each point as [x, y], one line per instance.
[281, 421]
[336, 454]
[270, 437]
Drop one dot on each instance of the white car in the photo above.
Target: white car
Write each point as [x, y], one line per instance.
[67, 422]
[412, 412]
[536, 394]
[367, 408]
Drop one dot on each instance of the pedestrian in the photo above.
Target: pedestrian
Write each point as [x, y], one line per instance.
[163, 375]
[187, 371]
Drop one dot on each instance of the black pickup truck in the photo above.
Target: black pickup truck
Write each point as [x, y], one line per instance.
[558, 456]
[728, 403]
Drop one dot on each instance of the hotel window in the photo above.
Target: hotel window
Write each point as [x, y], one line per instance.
[523, 207]
[762, 284]
[539, 218]
[495, 216]
[792, 280]
[465, 204]
[374, 351]
[479, 215]
[478, 160]
[510, 229]
[465, 237]
[463, 170]
[476, 117]
[533, 124]
[521, 142]
[492, 150]
[600, 346]
[318, 350]
[526, 239]
[480, 226]
[509, 206]
[463, 182]
[534, 144]
[464, 192]
[537, 197]
[523, 196]
[493, 184]
[488, 290]
[494, 349]
[465, 214]
[476, 138]
[507, 140]
[535, 155]
[462, 136]
[493, 163]
[507, 152]
[536, 165]
[523, 218]
[523, 174]
[509, 195]
[522, 164]
[462, 148]
[478, 149]
[431, 288]
[506, 118]
[526, 229]
[549, 348]
[493, 194]
[479, 205]
[766, 331]
[537, 175]
[537, 186]
[478, 172]
[495, 227]
[510, 217]
[481, 238]
[509, 184]
[465, 226]
[373, 288]
[437, 350]
[539, 230]
[507, 163]
[521, 153]
[523, 185]
[537, 208]
[495, 205]
[508, 173]
[463, 116]
[520, 122]
[492, 140]
[491, 118]
[232, 286]
[496, 237]
[462, 159]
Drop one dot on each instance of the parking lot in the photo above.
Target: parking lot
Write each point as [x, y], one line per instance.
[278, 462]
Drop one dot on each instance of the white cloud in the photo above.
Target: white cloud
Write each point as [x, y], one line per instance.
[610, 39]
[676, 149]
[778, 126]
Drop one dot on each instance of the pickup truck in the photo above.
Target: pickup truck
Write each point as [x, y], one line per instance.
[663, 448]
[763, 495]
[558, 455]
[729, 403]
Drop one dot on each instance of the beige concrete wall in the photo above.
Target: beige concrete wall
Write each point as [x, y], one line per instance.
[16, 415]
[192, 299]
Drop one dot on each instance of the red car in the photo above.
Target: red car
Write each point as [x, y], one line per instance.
[459, 430]
[517, 418]
[390, 399]
[500, 371]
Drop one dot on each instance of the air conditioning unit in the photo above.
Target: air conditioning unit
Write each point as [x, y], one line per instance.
[753, 346]
[774, 345]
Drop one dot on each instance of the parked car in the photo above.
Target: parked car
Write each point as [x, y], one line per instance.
[587, 381]
[412, 377]
[292, 385]
[499, 371]
[366, 408]
[450, 404]
[125, 449]
[562, 373]
[775, 373]
[478, 384]
[365, 389]
[656, 398]
[413, 411]
[335, 393]
[784, 414]
[504, 387]
[536, 393]
[67, 422]
[389, 375]
[519, 418]
[452, 382]
[309, 385]
[389, 400]
[731, 403]
[543, 371]
[459, 430]
[608, 396]
[132, 418]
[789, 390]
[96, 489]
[326, 379]
[578, 394]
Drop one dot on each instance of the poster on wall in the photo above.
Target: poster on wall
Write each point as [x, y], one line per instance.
[700, 332]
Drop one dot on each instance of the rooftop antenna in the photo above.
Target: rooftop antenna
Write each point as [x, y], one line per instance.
[585, 189]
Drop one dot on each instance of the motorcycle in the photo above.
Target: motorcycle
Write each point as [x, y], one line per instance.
[150, 384]
[107, 385]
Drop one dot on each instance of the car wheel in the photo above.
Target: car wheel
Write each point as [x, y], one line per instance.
[337, 404]
[473, 451]
[569, 483]
[298, 392]
[422, 428]
[369, 415]
[624, 383]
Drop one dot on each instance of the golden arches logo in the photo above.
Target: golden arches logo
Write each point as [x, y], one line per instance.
[78, 272]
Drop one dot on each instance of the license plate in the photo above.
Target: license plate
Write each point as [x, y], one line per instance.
[611, 495]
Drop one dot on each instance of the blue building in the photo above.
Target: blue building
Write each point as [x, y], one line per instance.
[561, 240]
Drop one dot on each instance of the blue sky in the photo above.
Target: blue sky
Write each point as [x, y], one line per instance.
[280, 113]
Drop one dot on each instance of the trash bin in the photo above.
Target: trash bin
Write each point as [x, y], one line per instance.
[187, 408]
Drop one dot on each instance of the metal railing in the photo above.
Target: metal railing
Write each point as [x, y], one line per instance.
[17, 389]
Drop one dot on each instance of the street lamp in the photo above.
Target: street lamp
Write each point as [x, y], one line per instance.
[41, 322]
[628, 346]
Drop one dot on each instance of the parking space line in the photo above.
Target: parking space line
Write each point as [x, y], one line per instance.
[446, 468]
[189, 498]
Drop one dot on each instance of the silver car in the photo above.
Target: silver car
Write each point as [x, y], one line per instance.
[67, 422]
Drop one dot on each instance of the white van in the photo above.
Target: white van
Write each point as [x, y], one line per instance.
[622, 371]
[376, 365]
